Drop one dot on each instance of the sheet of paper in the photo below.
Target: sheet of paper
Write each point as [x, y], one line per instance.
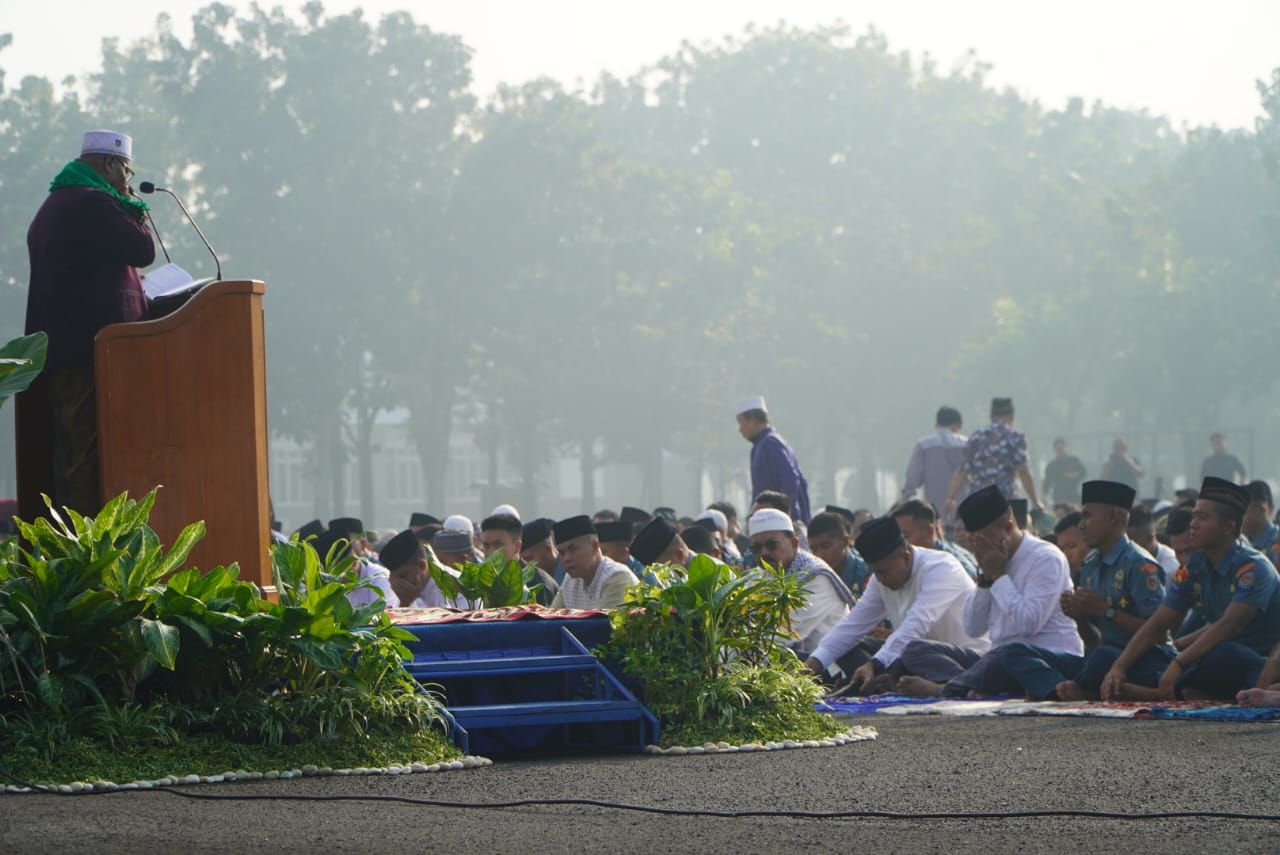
[166, 279]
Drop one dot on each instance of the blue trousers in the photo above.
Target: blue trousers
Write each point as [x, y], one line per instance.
[1223, 672]
[1039, 671]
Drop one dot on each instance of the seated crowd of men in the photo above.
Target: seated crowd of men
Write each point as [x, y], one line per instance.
[1101, 608]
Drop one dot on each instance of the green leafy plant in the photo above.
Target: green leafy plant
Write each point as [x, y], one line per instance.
[492, 583]
[21, 361]
[709, 652]
[104, 635]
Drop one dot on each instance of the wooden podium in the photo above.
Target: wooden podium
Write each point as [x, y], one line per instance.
[182, 402]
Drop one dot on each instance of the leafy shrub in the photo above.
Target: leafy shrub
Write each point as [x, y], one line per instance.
[492, 583]
[708, 649]
[21, 361]
[101, 632]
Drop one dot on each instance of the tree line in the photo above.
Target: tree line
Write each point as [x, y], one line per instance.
[856, 233]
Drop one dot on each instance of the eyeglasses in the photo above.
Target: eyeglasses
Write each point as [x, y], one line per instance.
[768, 545]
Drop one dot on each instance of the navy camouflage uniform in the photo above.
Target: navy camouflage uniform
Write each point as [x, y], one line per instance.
[1244, 575]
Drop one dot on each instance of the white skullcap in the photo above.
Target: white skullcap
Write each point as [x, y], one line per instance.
[458, 522]
[717, 517]
[769, 519]
[754, 402]
[108, 142]
[505, 510]
[1161, 505]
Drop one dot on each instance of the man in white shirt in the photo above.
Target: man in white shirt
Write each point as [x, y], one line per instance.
[591, 581]
[1018, 599]
[773, 540]
[406, 559]
[921, 591]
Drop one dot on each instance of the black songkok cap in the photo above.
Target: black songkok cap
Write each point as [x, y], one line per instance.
[614, 532]
[635, 516]
[665, 513]
[1108, 493]
[707, 523]
[315, 528]
[982, 508]
[1178, 521]
[535, 532]
[879, 538]
[653, 540]
[347, 526]
[1225, 493]
[400, 549]
[1001, 406]
[417, 519]
[572, 527]
[1259, 492]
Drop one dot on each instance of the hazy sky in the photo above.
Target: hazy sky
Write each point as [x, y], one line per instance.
[1191, 60]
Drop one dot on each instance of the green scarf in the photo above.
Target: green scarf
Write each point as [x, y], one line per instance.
[80, 174]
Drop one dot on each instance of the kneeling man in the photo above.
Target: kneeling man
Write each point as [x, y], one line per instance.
[921, 592]
[1233, 587]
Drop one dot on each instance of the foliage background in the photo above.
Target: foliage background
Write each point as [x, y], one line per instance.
[858, 234]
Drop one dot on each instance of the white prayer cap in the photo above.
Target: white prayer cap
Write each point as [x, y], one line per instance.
[458, 522]
[108, 142]
[717, 517]
[1161, 505]
[769, 519]
[754, 402]
[505, 510]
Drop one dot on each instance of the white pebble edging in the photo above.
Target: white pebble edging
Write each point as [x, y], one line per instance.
[470, 761]
[857, 733]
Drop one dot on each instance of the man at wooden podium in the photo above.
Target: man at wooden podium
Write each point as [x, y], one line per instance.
[85, 244]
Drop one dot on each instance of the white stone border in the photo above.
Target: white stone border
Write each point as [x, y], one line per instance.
[468, 761]
[857, 733]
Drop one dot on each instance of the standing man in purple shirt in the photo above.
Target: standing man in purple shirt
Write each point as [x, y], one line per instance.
[85, 244]
[773, 463]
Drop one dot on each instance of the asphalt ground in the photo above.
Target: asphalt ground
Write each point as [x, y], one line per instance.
[919, 764]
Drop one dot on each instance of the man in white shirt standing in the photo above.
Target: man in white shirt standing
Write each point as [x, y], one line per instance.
[1142, 531]
[1018, 598]
[773, 539]
[921, 591]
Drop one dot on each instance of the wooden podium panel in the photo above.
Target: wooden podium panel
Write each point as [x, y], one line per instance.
[182, 403]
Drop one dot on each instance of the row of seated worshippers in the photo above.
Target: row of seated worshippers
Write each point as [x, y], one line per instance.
[902, 609]
[1124, 630]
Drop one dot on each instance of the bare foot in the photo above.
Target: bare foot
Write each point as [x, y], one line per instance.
[919, 687]
[883, 684]
[1069, 690]
[1258, 698]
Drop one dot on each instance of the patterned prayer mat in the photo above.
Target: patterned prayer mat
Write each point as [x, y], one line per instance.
[418, 617]
[900, 705]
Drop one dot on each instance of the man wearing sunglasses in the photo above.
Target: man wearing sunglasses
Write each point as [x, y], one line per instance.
[86, 244]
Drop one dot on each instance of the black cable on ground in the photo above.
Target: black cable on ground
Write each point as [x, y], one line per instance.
[662, 811]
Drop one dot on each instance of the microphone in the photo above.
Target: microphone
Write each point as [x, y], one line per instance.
[148, 187]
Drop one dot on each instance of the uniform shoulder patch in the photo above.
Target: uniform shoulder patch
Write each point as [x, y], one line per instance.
[1245, 582]
[1150, 568]
[1243, 569]
[1181, 577]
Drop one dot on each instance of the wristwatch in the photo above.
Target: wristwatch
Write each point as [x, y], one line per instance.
[1110, 613]
[985, 581]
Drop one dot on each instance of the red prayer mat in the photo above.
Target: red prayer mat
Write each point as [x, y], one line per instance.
[419, 617]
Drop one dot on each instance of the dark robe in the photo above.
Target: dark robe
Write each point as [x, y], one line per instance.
[85, 248]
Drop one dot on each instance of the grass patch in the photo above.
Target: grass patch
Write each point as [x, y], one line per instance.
[85, 760]
[759, 726]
